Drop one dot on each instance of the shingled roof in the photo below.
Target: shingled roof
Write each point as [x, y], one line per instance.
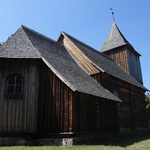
[105, 63]
[26, 43]
[115, 39]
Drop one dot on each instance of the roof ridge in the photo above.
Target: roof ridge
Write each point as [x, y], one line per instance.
[24, 27]
[93, 49]
[40, 34]
[125, 40]
[80, 41]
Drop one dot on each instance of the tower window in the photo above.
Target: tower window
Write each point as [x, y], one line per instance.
[14, 85]
[116, 93]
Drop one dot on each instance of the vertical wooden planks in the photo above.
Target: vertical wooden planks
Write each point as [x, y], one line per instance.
[70, 112]
[90, 120]
[66, 115]
[57, 107]
[120, 57]
[18, 113]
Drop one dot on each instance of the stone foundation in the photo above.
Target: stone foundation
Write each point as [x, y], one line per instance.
[7, 141]
[63, 140]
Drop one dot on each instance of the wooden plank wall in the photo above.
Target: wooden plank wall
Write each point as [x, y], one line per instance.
[63, 110]
[120, 56]
[134, 65]
[49, 106]
[19, 114]
[128, 61]
[46, 103]
[138, 105]
[88, 119]
[55, 104]
[132, 111]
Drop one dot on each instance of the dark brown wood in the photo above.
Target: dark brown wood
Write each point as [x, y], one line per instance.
[91, 121]
[19, 113]
[127, 60]
[131, 112]
[83, 61]
[49, 106]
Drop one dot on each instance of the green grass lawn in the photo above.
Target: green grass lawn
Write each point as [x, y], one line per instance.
[126, 143]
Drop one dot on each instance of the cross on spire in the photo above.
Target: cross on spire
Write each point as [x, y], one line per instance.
[112, 12]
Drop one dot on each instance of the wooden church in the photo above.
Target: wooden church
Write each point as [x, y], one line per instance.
[67, 88]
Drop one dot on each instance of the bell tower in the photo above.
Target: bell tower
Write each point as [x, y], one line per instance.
[122, 52]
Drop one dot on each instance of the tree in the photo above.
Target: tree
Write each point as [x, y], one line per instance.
[147, 99]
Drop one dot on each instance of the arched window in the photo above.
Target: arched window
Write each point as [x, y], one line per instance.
[14, 85]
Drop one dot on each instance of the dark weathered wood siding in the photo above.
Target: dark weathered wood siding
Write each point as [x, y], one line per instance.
[120, 56]
[127, 60]
[89, 119]
[63, 111]
[19, 113]
[49, 106]
[132, 111]
[55, 103]
[46, 103]
[134, 65]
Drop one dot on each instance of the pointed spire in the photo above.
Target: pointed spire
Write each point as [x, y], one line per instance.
[115, 39]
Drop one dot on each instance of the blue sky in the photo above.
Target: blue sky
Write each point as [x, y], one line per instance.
[88, 20]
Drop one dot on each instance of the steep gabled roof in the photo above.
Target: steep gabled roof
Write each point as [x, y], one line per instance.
[104, 62]
[115, 39]
[26, 43]
[19, 46]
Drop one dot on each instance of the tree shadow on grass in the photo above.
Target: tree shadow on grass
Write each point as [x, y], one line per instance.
[126, 140]
[122, 141]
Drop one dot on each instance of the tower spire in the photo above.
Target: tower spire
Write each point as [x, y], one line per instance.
[112, 12]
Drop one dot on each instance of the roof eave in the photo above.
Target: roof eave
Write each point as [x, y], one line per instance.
[58, 74]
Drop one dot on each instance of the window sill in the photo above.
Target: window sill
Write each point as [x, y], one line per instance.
[14, 95]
